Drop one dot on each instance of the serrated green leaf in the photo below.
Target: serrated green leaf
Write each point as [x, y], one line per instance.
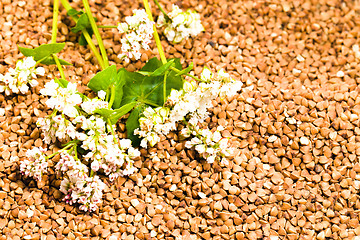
[133, 123]
[42, 51]
[82, 23]
[104, 79]
[186, 70]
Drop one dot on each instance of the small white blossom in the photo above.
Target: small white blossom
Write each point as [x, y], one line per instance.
[17, 80]
[138, 31]
[181, 25]
[36, 163]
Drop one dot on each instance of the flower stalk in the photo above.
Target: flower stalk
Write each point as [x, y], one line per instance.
[54, 34]
[87, 36]
[96, 33]
[156, 35]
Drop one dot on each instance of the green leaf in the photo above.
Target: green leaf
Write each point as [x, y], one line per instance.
[73, 12]
[42, 51]
[114, 115]
[119, 85]
[50, 60]
[149, 89]
[62, 82]
[82, 23]
[133, 123]
[161, 70]
[82, 40]
[27, 52]
[104, 79]
[186, 70]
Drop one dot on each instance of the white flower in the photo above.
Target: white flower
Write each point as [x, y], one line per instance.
[138, 31]
[62, 99]
[181, 25]
[101, 94]
[36, 163]
[17, 80]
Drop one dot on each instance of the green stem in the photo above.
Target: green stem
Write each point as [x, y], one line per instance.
[96, 32]
[67, 147]
[109, 26]
[162, 10]
[53, 36]
[165, 77]
[156, 35]
[87, 36]
[58, 64]
[186, 74]
[112, 97]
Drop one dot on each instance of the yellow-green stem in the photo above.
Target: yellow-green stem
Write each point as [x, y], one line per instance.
[87, 36]
[165, 77]
[186, 74]
[112, 97]
[54, 34]
[96, 32]
[156, 35]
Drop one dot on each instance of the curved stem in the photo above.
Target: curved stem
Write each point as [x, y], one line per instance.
[156, 35]
[162, 10]
[112, 97]
[93, 48]
[55, 153]
[96, 32]
[87, 36]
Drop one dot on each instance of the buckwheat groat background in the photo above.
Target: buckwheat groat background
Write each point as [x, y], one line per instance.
[295, 124]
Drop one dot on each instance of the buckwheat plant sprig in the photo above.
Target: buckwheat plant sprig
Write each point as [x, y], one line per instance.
[190, 106]
[157, 98]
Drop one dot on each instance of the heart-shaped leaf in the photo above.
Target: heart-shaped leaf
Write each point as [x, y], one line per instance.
[133, 123]
[149, 89]
[104, 79]
[42, 51]
[82, 23]
[50, 61]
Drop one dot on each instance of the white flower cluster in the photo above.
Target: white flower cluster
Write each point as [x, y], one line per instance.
[190, 106]
[62, 99]
[138, 30]
[36, 163]
[210, 145]
[79, 127]
[17, 80]
[77, 185]
[181, 24]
